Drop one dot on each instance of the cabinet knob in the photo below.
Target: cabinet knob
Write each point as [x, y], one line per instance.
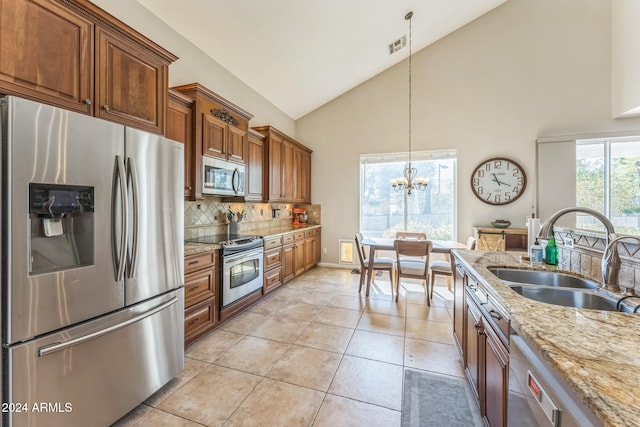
[188, 188]
[87, 101]
[105, 108]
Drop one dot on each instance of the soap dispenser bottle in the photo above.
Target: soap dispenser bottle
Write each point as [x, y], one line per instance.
[551, 252]
[536, 253]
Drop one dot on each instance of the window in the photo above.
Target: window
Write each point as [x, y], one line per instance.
[384, 211]
[608, 180]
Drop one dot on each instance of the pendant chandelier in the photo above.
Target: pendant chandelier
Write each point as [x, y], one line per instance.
[409, 180]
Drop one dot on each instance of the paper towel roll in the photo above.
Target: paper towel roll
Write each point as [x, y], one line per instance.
[533, 228]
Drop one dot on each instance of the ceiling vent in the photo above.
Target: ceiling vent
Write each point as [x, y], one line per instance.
[396, 45]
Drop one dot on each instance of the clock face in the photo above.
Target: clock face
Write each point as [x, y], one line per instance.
[498, 181]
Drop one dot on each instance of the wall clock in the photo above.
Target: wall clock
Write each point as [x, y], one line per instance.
[498, 181]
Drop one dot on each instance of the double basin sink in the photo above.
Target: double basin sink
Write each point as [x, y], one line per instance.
[559, 289]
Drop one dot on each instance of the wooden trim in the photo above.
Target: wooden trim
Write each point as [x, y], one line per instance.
[201, 90]
[104, 19]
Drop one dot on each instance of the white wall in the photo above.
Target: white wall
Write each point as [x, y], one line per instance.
[527, 69]
[195, 66]
[625, 58]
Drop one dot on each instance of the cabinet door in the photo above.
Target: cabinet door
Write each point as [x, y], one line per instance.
[472, 345]
[131, 84]
[254, 178]
[318, 247]
[299, 257]
[214, 136]
[496, 380]
[302, 166]
[458, 308]
[309, 252]
[275, 169]
[235, 144]
[288, 172]
[491, 242]
[179, 127]
[46, 53]
[288, 263]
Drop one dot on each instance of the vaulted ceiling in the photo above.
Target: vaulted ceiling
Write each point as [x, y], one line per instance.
[301, 54]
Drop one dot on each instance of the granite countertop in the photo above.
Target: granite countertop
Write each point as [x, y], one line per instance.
[597, 353]
[196, 248]
[277, 231]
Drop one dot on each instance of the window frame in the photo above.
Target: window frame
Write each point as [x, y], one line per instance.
[416, 156]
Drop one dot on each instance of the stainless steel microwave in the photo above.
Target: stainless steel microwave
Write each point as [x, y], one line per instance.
[221, 178]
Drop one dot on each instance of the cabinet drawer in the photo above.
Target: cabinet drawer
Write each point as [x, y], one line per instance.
[272, 242]
[272, 258]
[499, 321]
[310, 233]
[199, 261]
[272, 279]
[199, 319]
[198, 287]
[288, 238]
[299, 235]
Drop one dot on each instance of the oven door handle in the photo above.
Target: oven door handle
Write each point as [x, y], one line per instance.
[246, 254]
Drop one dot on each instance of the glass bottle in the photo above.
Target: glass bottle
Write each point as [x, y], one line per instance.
[551, 252]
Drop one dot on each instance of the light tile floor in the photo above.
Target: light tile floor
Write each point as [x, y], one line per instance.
[313, 353]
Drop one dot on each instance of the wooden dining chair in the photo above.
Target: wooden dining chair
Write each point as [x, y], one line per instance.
[379, 264]
[409, 235]
[443, 268]
[412, 261]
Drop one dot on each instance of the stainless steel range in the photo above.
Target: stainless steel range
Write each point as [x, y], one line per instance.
[242, 259]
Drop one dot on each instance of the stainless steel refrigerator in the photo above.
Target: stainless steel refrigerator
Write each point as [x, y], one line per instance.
[92, 266]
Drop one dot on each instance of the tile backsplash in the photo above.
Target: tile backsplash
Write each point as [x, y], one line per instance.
[209, 216]
[586, 256]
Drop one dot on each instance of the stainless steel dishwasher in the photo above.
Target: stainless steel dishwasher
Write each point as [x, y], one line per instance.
[537, 397]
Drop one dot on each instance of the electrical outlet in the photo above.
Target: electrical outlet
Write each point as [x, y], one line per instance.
[324, 250]
[568, 243]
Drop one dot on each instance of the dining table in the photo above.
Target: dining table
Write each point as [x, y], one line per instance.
[388, 244]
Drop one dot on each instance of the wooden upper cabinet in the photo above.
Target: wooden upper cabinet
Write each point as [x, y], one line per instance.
[46, 54]
[276, 192]
[288, 167]
[131, 84]
[254, 190]
[179, 127]
[303, 176]
[236, 142]
[220, 130]
[288, 172]
[74, 55]
[214, 136]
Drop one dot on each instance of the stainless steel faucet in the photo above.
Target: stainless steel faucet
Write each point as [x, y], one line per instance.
[546, 231]
[611, 263]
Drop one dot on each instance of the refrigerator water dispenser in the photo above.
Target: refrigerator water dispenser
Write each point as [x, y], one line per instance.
[61, 227]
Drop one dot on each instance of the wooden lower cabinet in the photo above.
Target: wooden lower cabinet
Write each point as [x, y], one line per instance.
[299, 252]
[459, 307]
[200, 295]
[199, 320]
[501, 239]
[272, 264]
[288, 263]
[481, 329]
[496, 379]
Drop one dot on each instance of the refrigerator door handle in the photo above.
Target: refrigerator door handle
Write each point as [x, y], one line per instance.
[133, 175]
[59, 346]
[119, 177]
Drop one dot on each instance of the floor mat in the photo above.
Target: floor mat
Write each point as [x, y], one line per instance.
[437, 400]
